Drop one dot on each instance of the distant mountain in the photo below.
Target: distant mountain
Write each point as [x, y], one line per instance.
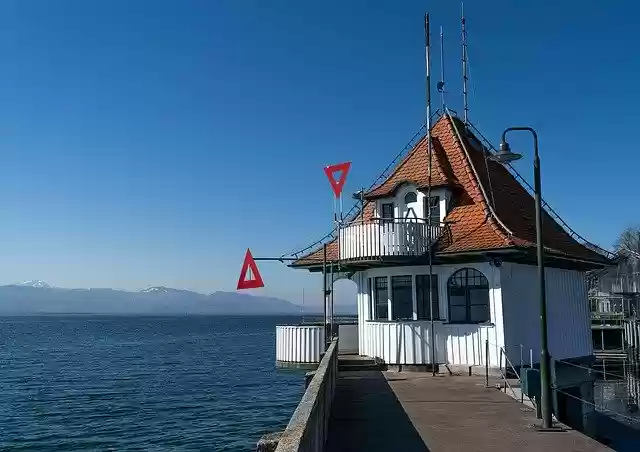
[34, 298]
[36, 283]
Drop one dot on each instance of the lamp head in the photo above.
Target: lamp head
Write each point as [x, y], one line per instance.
[505, 155]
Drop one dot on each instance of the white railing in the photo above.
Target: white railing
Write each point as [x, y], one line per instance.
[409, 342]
[377, 238]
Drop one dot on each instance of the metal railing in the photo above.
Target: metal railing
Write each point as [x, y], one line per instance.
[376, 238]
[504, 372]
[610, 318]
[573, 234]
[508, 366]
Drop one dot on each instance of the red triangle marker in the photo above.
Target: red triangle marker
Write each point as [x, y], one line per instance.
[331, 170]
[243, 282]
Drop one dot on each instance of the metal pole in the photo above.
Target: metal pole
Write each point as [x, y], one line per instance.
[331, 303]
[429, 244]
[520, 372]
[531, 357]
[324, 293]
[486, 363]
[465, 77]
[545, 380]
[441, 84]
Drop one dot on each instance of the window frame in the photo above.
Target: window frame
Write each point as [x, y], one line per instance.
[430, 208]
[406, 290]
[468, 299]
[422, 303]
[376, 293]
[410, 193]
[387, 219]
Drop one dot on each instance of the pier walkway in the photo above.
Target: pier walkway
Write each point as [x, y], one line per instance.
[416, 412]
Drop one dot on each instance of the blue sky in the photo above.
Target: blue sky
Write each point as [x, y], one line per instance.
[152, 142]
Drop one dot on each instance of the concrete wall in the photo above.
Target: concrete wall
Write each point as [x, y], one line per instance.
[569, 323]
[307, 430]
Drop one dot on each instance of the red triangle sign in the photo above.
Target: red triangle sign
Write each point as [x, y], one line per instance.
[331, 170]
[243, 282]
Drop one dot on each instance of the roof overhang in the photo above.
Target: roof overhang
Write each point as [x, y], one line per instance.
[393, 190]
[519, 255]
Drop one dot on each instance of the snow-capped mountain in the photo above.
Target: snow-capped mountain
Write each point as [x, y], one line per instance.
[156, 289]
[164, 290]
[36, 283]
[36, 297]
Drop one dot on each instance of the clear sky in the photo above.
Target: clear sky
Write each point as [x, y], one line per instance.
[152, 142]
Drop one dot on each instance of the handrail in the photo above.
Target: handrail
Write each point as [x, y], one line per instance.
[573, 234]
[384, 238]
[504, 375]
[354, 211]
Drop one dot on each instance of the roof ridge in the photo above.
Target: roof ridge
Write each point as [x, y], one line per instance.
[497, 225]
[438, 165]
[415, 162]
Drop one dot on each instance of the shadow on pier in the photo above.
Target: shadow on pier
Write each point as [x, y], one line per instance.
[367, 415]
[416, 412]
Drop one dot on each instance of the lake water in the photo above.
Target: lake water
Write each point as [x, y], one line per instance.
[142, 383]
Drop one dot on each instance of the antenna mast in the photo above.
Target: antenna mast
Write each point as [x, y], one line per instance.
[428, 213]
[441, 82]
[465, 77]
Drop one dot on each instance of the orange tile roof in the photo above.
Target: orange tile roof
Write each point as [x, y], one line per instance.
[414, 168]
[490, 210]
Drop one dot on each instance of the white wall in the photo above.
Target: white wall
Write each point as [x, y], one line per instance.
[299, 343]
[348, 335]
[569, 324]
[363, 304]
[400, 209]
[408, 340]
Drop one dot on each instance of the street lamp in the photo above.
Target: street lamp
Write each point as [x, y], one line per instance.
[505, 156]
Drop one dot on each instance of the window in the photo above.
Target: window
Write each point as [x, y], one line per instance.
[433, 209]
[422, 295]
[468, 297]
[401, 299]
[410, 197]
[387, 212]
[381, 298]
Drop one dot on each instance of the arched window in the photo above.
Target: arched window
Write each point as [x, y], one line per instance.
[410, 197]
[468, 291]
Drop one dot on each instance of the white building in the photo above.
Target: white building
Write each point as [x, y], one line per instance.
[484, 280]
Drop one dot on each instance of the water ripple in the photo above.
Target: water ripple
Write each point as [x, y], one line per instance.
[141, 383]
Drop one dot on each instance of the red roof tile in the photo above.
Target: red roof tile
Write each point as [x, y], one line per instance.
[414, 168]
[490, 209]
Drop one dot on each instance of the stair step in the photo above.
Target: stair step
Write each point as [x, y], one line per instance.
[358, 367]
[356, 362]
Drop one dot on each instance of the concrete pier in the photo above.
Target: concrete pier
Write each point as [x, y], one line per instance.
[388, 411]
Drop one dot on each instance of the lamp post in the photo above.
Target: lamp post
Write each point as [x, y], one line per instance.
[505, 156]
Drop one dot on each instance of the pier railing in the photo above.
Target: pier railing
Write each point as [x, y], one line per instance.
[378, 238]
[308, 427]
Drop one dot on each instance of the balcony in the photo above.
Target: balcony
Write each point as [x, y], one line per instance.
[376, 239]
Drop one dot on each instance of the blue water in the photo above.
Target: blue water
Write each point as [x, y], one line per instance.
[141, 383]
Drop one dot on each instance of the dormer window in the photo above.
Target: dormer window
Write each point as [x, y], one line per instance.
[433, 209]
[410, 197]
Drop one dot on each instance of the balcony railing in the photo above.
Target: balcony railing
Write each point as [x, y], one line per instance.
[377, 238]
